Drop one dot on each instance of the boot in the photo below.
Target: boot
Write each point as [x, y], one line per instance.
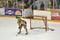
[19, 32]
[26, 33]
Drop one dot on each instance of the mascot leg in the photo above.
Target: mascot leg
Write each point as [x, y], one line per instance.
[25, 29]
[20, 27]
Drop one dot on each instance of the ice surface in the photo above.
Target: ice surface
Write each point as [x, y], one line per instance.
[9, 29]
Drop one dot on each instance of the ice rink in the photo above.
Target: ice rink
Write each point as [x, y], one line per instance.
[9, 29]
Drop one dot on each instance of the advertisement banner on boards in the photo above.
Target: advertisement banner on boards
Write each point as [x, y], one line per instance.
[17, 12]
[55, 15]
[9, 11]
[13, 12]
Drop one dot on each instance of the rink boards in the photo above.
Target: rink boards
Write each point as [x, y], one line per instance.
[36, 18]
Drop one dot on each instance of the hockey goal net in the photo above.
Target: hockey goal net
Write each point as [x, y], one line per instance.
[39, 22]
